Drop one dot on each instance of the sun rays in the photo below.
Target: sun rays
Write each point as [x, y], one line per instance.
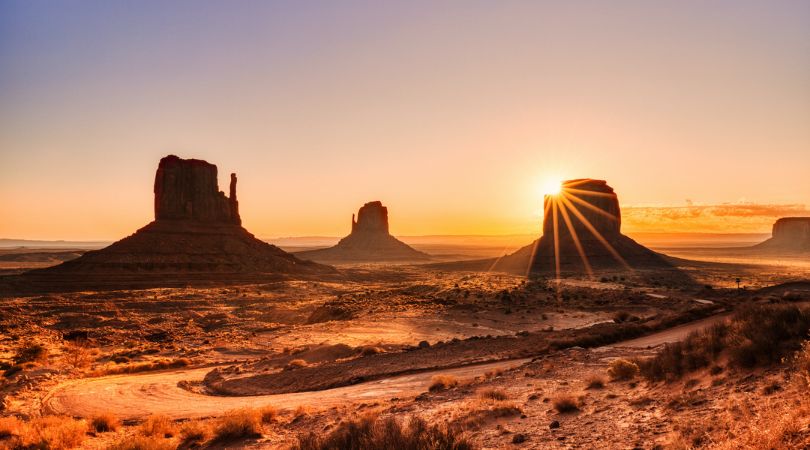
[562, 206]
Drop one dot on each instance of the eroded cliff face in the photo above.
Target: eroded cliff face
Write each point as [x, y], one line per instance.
[592, 199]
[369, 241]
[793, 229]
[790, 235]
[196, 237]
[187, 189]
[372, 218]
[588, 233]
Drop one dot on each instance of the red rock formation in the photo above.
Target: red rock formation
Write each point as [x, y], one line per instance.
[591, 208]
[369, 241]
[372, 218]
[187, 189]
[790, 234]
[196, 236]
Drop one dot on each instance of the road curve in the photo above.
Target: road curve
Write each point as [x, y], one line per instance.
[135, 396]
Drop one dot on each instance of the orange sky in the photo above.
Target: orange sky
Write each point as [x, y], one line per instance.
[454, 115]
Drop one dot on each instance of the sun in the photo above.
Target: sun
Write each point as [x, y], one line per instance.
[551, 186]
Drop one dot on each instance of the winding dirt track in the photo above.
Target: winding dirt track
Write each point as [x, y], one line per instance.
[135, 396]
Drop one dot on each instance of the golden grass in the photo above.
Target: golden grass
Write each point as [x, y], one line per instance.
[371, 432]
[49, 432]
[622, 369]
[238, 424]
[158, 426]
[103, 423]
[118, 369]
[566, 403]
[296, 364]
[269, 413]
[442, 382]
[595, 382]
[195, 432]
[493, 394]
[143, 443]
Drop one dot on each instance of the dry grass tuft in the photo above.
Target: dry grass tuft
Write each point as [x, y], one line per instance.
[296, 364]
[238, 424]
[141, 367]
[442, 382]
[269, 413]
[757, 335]
[49, 432]
[103, 423]
[10, 426]
[622, 369]
[374, 433]
[566, 404]
[143, 443]
[194, 432]
[159, 426]
[493, 394]
[595, 382]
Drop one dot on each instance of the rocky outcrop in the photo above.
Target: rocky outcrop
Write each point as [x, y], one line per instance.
[369, 241]
[372, 218]
[196, 235]
[790, 234]
[187, 189]
[585, 212]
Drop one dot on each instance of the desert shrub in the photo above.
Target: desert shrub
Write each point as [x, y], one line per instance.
[375, 433]
[371, 350]
[756, 335]
[103, 423]
[143, 443]
[158, 425]
[566, 404]
[295, 364]
[802, 362]
[442, 382]
[30, 352]
[77, 355]
[493, 394]
[141, 367]
[194, 432]
[238, 424]
[10, 426]
[49, 432]
[622, 369]
[269, 413]
[595, 382]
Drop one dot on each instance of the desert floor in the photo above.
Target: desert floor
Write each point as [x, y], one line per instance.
[492, 353]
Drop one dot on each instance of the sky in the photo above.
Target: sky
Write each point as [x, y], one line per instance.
[455, 114]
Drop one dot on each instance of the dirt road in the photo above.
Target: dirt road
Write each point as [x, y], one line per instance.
[135, 396]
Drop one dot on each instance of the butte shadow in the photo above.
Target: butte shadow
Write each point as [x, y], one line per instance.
[369, 241]
[196, 238]
[581, 236]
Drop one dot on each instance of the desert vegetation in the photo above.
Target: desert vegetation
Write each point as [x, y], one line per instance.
[756, 335]
[373, 432]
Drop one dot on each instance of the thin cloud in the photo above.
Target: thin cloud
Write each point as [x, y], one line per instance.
[722, 218]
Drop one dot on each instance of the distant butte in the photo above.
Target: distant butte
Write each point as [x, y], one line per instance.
[196, 235]
[790, 235]
[586, 211]
[369, 241]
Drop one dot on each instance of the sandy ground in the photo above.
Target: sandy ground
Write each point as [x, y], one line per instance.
[136, 396]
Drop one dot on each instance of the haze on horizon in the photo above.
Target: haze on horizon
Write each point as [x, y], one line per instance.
[454, 114]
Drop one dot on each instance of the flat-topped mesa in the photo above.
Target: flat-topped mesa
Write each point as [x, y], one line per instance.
[593, 199]
[372, 218]
[790, 234]
[795, 229]
[187, 189]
